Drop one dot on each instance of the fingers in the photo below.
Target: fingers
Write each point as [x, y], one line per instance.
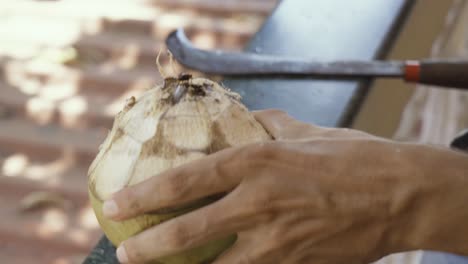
[182, 233]
[213, 174]
[284, 127]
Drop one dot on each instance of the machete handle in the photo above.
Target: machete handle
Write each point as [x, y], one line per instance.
[445, 73]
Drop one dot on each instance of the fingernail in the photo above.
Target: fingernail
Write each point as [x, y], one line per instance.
[110, 209]
[122, 254]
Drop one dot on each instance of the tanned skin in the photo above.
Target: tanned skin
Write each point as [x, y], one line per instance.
[311, 195]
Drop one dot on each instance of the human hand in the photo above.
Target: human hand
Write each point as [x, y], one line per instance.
[314, 195]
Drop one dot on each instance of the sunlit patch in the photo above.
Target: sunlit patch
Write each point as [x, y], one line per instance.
[17, 50]
[41, 66]
[25, 26]
[205, 40]
[58, 55]
[41, 172]
[40, 109]
[72, 111]
[78, 236]
[124, 10]
[88, 219]
[74, 106]
[59, 91]
[51, 170]
[15, 165]
[43, 199]
[53, 222]
[30, 87]
[173, 20]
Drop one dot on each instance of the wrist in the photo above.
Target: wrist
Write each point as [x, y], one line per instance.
[435, 195]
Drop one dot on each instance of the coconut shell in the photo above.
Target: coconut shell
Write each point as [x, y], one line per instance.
[180, 121]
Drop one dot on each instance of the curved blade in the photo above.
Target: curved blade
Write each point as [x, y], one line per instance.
[237, 63]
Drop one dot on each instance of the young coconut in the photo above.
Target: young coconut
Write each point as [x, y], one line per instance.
[183, 120]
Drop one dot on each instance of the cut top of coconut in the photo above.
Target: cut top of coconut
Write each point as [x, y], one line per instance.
[180, 121]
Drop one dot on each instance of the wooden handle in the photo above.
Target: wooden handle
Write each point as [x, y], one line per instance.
[449, 74]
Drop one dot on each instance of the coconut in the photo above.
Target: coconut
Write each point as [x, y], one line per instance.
[182, 120]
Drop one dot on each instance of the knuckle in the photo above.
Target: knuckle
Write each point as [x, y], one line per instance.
[177, 237]
[174, 188]
[256, 157]
[262, 151]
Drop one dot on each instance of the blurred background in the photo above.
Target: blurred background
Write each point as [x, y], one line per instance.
[67, 67]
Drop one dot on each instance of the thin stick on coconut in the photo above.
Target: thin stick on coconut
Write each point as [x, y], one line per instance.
[171, 62]
[158, 64]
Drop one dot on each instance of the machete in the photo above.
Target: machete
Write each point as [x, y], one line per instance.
[449, 73]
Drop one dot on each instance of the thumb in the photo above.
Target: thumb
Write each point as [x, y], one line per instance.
[284, 127]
